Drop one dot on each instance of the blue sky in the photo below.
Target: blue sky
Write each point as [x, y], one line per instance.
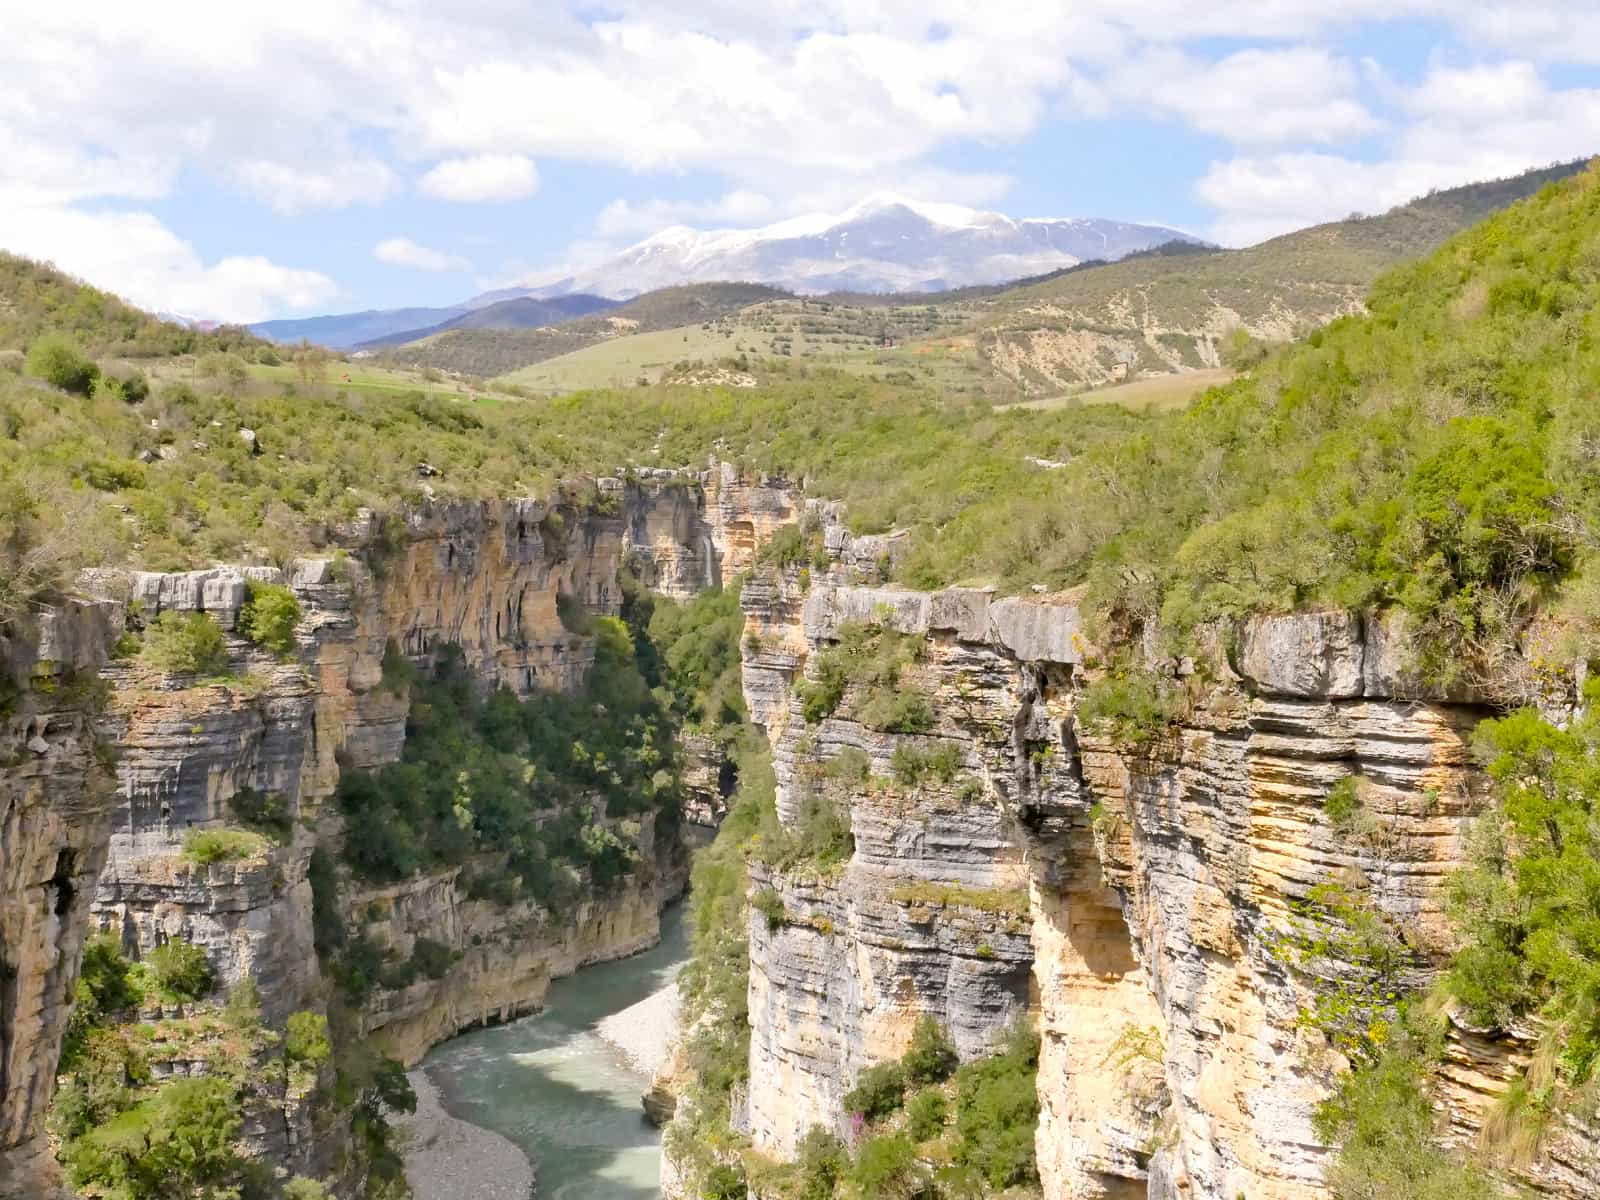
[316, 155]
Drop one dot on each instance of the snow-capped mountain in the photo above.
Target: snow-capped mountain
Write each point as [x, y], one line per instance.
[886, 243]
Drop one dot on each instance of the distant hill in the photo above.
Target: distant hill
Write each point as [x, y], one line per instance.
[1163, 311]
[488, 352]
[35, 298]
[520, 312]
[886, 243]
[345, 331]
[1166, 312]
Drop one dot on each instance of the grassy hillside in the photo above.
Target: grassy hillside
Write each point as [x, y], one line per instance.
[1162, 313]
[1165, 312]
[36, 298]
[1433, 455]
[490, 352]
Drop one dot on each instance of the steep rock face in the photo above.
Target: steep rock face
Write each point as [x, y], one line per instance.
[1162, 873]
[487, 577]
[55, 799]
[929, 916]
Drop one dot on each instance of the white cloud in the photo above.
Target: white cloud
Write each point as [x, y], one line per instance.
[287, 189]
[403, 252]
[1466, 124]
[135, 256]
[802, 104]
[483, 177]
[624, 218]
[1298, 94]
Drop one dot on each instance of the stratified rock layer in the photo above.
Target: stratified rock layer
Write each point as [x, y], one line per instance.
[485, 577]
[1161, 873]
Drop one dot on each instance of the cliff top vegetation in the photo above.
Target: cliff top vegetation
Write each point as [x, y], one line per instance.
[1436, 454]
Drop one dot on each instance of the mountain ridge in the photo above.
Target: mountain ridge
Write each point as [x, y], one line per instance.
[899, 245]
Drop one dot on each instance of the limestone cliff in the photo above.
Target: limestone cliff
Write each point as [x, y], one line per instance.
[1161, 873]
[491, 578]
[55, 802]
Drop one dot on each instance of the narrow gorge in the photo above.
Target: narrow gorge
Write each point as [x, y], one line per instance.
[1074, 803]
[1024, 848]
[113, 768]
[1127, 890]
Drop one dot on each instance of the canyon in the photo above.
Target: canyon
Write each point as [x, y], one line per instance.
[1126, 890]
[1132, 890]
[110, 764]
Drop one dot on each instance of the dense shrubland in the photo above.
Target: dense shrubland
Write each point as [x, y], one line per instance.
[923, 1126]
[1435, 454]
[873, 660]
[547, 782]
[130, 1129]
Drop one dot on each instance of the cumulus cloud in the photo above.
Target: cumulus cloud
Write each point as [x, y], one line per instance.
[288, 189]
[137, 257]
[403, 252]
[1300, 94]
[1464, 124]
[791, 105]
[483, 177]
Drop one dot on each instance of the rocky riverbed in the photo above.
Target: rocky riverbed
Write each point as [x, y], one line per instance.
[450, 1159]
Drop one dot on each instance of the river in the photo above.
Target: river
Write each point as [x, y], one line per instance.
[551, 1085]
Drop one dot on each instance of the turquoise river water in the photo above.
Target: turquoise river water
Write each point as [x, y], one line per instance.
[551, 1085]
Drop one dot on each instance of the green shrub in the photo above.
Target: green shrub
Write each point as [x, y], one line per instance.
[850, 765]
[931, 1057]
[107, 986]
[180, 1142]
[105, 980]
[820, 1162]
[1133, 706]
[264, 812]
[575, 617]
[399, 672]
[896, 710]
[186, 644]
[206, 846]
[1388, 1137]
[820, 839]
[997, 1109]
[1343, 805]
[886, 1168]
[180, 969]
[55, 359]
[770, 905]
[725, 1182]
[926, 1113]
[821, 695]
[305, 1038]
[299, 1187]
[912, 765]
[878, 1091]
[791, 545]
[431, 958]
[269, 616]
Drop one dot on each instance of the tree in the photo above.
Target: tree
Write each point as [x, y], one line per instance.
[181, 969]
[186, 644]
[177, 1143]
[58, 361]
[269, 617]
[931, 1057]
[305, 1038]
